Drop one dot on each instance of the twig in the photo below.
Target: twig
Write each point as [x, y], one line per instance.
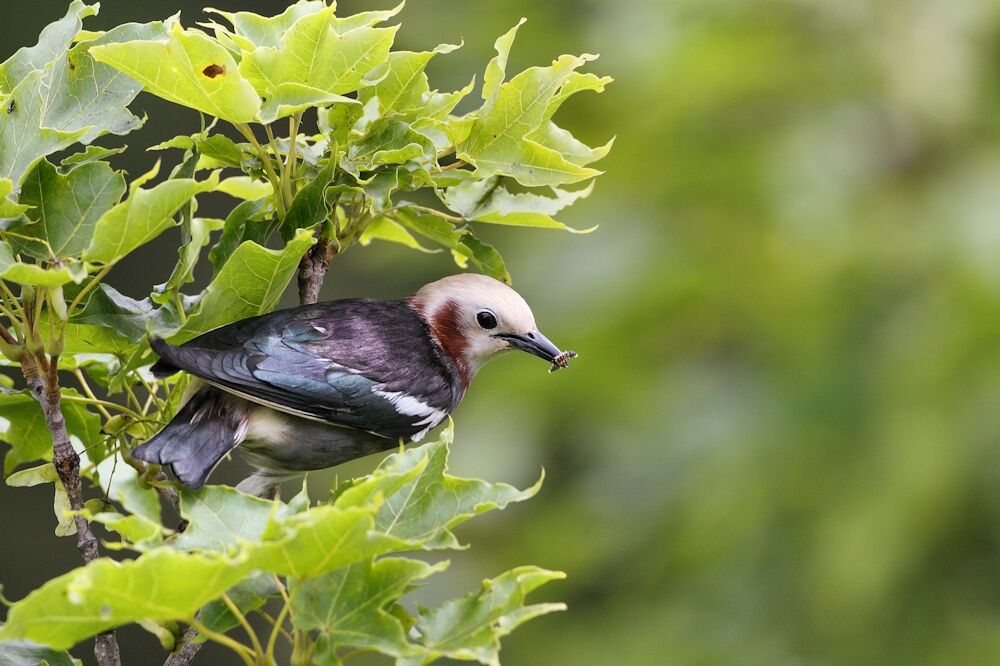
[312, 269]
[44, 386]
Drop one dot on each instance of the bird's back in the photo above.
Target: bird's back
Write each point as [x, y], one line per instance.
[363, 363]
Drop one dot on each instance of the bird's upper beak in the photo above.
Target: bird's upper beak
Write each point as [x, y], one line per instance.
[533, 342]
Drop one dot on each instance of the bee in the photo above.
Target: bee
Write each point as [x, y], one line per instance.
[11, 106]
[562, 360]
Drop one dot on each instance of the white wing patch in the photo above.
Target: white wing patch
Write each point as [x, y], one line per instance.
[408, 405]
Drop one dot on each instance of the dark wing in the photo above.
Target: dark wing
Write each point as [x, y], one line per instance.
[366, 364]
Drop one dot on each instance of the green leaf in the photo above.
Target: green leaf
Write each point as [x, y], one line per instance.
[290, 97]
[52, 42]
[65, 208]
[291, 546]
[8, 208]
[198, 235]
[387, 141]
[115, 312]
[187, 68]
[245, 187]
[13, 270]
[484, 256]
[269, 30]
[26, 653]
[89, 154]
[512, 135]
[34, 476]
[250, 283]
[403, 84]
[220, 518]
[23, 141]
[470, 628]
[106, 594]
[488, 201]
[309, 206]
[389, 230]
[143, 216]
[22, 425]
[83, 94]
[121, 484]
[242, 224]
[426, 506]
[365, 19]
[137, 532]
[461, 242]
[312, 53]
[249, 594]
[350, 606]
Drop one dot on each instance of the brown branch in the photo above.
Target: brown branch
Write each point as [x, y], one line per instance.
[312, 269]
[188, 651]
[41, 376]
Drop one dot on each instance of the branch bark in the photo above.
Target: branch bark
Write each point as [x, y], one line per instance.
[42, 377]
[312, 269]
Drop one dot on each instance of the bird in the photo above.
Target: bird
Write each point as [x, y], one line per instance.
[314, 386]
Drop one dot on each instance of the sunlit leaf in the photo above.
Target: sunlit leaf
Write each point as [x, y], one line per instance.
[23, 141]
[250, 283]
[14, 270]
[142, 217]
[350, 606]
[65, 207]
[312, 53]
[427, 506]
[504, 137]
[106, 594]
[187, 68]
[470, 628]
[489, 201]
[34, 476]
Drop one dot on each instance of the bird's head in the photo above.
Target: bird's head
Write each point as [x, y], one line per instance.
[474, 318]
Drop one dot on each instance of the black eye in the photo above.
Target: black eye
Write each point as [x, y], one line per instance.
[486, 319]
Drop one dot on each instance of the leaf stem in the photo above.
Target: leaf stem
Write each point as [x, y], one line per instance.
[242, 650]
[279, 621]
[457, 164]
[94, 281]
[238, 614]
[279, 202]
[89, 393]
[99, 404]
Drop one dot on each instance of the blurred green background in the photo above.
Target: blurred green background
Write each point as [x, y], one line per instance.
[780, 442]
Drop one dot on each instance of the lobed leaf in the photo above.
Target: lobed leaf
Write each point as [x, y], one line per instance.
[65, 208]
[488, 201]
[23, 139]
[249, 283]
[187, 68]
[470, 628]
[161, 585]
[143, 216]
[351, 606]
[13, 269]
[314, 54]
[512, 134]
[423, 507]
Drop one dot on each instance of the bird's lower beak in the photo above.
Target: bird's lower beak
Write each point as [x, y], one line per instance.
[534, 343]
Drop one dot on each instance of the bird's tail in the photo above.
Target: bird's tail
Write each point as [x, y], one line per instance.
[208, 427]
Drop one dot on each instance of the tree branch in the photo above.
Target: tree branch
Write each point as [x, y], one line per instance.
[42, 378]
[312, 269]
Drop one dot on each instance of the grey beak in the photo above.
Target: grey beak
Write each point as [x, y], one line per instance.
[534, 343]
